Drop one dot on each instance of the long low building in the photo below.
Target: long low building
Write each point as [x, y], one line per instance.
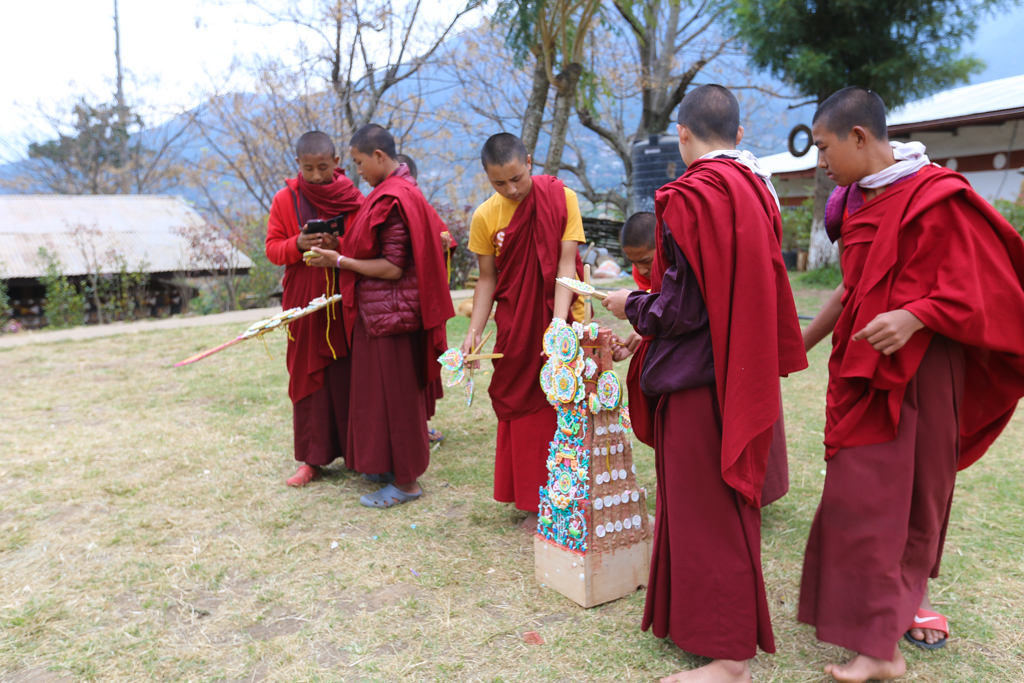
[976, 130]
[161, 236]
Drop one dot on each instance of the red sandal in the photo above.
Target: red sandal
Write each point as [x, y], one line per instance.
[932, 621]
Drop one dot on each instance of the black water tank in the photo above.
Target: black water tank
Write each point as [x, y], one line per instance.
[656, 161]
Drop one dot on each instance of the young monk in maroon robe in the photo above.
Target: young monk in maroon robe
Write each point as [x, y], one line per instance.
[720, 328]
[317, 357]
[639, 243]
[394, 285]
[524, 236]
[927, 367]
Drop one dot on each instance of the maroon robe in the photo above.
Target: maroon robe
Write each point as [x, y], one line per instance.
[706, 589]
[525, 296]
[393, 375]
[317, 346]
[898, 427]
[878, 533]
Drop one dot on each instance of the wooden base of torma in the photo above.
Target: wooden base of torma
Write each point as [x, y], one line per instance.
[592, 579]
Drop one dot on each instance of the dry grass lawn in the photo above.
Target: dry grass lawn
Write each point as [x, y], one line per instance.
[146, 535]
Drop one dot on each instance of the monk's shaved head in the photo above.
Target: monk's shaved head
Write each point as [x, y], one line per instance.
[712, 113]
[853, 106]
[638, 231]
[315, 143]
[501, 149]
[372, 137]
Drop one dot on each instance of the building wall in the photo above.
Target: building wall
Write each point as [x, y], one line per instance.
[991, 157]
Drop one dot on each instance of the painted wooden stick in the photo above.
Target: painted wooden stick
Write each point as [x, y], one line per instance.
[209, 352]
[482, 356]
[588, 310]
[581, 288]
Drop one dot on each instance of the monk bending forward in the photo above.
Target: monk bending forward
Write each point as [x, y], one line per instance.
[927, 367]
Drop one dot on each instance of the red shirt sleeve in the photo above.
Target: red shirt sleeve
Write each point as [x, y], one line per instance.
[283, 232]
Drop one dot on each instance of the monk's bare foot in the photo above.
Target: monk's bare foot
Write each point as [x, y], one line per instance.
[928, 635]
[530, 523]
[412, 489]
[718, 671]
[302, 476]
[863, 668]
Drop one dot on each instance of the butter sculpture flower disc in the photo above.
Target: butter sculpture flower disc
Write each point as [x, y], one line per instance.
[609, 390]
[453, 361]
[563, 384]
[567, 345]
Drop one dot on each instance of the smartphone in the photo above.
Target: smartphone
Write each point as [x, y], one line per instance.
[335, 226]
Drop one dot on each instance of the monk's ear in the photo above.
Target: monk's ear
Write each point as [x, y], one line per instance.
[337, 161]
[860, 136]
[529, 162]
[739, 135]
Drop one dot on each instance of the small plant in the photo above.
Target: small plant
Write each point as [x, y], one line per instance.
[64, 305]
[796, 226]
[1013, 212]
[828, 277]
[5, 300]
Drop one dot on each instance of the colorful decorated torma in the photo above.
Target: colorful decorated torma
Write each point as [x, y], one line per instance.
[591, 502]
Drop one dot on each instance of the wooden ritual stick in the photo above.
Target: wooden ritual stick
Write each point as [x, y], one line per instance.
[588, 311]
[482, 356]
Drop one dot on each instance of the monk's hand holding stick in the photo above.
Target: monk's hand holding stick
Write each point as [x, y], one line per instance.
[325, 258]
[471, 343]
[616, 303]
[888, 332]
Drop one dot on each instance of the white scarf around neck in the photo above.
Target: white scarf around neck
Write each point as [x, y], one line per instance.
[910, 158]
[750, 161]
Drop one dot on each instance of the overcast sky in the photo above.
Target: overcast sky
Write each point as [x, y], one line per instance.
[56, 49]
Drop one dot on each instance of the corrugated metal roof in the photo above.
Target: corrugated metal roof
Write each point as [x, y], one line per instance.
[787, 163]
[141, 227]
[971, 100]
[981, 98]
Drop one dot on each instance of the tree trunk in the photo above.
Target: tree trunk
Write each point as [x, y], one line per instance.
[535, 107]
[565, 104]
[822, 251]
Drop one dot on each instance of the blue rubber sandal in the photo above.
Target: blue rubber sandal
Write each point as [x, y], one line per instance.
[434, 436]
[385, 478]
[387, 497]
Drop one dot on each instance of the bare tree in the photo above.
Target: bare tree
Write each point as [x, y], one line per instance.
[555, 32]
[641, 71]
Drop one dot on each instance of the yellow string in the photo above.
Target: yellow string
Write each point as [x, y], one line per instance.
[330, 291]
[265, 347]
[288, 331]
